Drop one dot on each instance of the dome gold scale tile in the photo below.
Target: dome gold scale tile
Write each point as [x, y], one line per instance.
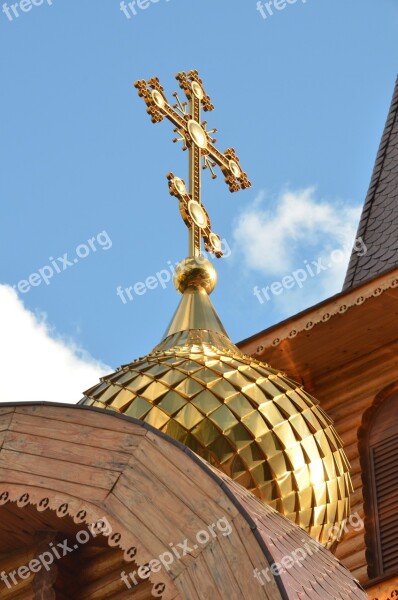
[249, 420]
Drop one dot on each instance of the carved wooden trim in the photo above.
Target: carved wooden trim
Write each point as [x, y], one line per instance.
[82, 513]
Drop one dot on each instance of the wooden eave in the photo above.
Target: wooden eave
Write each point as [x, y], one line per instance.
[333, 333]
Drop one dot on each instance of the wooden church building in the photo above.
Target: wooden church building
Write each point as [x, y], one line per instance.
[206, 470]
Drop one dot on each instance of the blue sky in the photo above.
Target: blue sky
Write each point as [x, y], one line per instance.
[301, 95]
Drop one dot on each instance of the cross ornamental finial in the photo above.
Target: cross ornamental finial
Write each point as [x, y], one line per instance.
[193, 132]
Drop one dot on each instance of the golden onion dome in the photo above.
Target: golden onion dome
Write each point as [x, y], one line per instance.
[244, 417]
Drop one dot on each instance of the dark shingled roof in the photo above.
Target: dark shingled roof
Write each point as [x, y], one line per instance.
[319, 575]
[378, 226]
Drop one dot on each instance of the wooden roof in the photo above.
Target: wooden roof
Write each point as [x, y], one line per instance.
[63, 468]
[332, 333]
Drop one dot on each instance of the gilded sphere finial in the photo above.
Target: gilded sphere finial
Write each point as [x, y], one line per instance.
[195, 272]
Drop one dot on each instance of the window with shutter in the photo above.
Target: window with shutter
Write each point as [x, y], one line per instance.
[383, 463]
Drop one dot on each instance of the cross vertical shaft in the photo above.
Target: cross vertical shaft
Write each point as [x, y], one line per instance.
[195, 183]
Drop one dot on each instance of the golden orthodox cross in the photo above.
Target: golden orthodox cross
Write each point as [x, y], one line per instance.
[186, 117]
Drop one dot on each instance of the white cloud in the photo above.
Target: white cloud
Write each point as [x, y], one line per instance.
[276, 237]
[36, 364]
[272, 236]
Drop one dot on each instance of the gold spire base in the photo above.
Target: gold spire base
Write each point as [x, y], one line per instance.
[195, 311]
[194, 272]
[195, 279]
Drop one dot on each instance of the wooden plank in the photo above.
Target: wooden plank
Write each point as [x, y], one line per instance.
[6, 420]
[221, 572]
[351, 545]
[180, 518]
[87, 435]
[59, 449]
[84, 492]
[57, 469]
[355, 463]
[12, 560]
[109, 584]
[316, 351]
[368, 349]
[338, 413]
[143, 512]
[144, 593]
[186, 587]
[257, 558]
[44, 580]
[357, 499]
[237, 558]
[104, 420]
[110, 561]
[346, 395]
[148, 545]
[193, 472]
[200, 576]
[26, 521]
[357, 481]
[22, 591]
[356, 560]
[26, 594]
[181, 522]
[359, 510]
[142, 536]
[5, 410]
[361, 573]
[350, 443]
[378, 376]
[16, 529]
[351, 423]
[195, 488]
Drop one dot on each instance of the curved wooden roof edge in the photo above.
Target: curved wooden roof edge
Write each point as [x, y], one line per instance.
[315, 574]
[319, 314]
